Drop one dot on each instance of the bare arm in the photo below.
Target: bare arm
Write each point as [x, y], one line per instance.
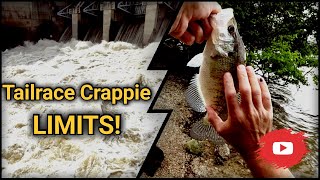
[260, 168]
[247, 121]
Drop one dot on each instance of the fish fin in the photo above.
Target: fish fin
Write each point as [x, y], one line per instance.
[193, 95]
[202, 130]
[196, 61]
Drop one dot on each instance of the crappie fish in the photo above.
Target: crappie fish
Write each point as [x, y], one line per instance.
[223, 51]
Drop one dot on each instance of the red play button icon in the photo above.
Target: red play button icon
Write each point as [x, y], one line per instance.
[282, 147]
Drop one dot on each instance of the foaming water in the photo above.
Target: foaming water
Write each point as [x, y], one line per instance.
[50, 64]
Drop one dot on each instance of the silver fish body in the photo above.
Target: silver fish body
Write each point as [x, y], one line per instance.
[224, 50]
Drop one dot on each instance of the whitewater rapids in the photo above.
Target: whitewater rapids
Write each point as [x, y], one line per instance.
[49, 64]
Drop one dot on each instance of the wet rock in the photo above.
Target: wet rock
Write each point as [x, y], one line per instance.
[224, 151]
[200, 169]
[218, 160]
[241, 162]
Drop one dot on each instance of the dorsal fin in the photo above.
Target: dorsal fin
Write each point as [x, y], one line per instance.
[196, 61]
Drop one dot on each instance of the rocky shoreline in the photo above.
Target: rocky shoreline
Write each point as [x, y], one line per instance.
[178, 160]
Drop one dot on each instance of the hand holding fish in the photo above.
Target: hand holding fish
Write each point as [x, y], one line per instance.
[192, 24]
[251, 118]
[248, 120]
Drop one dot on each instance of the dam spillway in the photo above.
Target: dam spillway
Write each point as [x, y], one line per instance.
[136, 22]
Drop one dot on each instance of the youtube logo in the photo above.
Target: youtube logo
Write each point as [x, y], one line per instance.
[282, 148]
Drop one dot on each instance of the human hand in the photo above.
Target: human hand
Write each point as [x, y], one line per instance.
[192, 24]
[248, 120]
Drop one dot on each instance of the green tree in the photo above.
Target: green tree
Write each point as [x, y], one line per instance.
[276, 37]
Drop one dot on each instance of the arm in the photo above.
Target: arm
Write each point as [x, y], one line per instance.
[260, 168]
[248, 120]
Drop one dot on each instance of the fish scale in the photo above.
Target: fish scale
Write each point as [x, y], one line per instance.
[224, 50]
[211, 83]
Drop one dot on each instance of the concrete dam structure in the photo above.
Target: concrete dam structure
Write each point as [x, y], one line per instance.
[135, 22]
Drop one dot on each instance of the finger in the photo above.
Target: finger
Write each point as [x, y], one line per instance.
[206, 27]
[215, 120]
[181, 27]
[216, 9]
[266, 97]
[244, 87]
[175, 23]
[230, 94]
[196, 30]
[187, 38]
[255, 88]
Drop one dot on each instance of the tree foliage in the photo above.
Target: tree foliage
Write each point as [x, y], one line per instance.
[276, 37]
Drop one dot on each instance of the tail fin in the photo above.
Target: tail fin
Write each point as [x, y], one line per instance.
[196, 61]
[193, 95]
[202, 130]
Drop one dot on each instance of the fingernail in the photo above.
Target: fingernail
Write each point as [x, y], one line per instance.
[227, 75]
[242, 68]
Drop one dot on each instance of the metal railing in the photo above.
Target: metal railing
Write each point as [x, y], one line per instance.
[173, 5]
[92, 8]
[133, 8]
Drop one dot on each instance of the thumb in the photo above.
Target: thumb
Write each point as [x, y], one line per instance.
[215, 120]
[217, 8]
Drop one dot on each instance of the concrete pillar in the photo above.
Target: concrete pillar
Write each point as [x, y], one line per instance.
[106, 24]
[108, 12]
[75, 24]
[34, 19]
[150, 21]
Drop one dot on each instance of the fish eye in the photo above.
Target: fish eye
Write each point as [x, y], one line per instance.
[231, 29]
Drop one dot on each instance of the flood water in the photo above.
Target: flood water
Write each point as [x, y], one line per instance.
[50, 64]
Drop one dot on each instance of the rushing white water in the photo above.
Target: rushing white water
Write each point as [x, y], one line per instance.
[50, 64]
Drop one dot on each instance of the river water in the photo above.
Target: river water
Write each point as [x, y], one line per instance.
[50, 64]
[297, 108]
